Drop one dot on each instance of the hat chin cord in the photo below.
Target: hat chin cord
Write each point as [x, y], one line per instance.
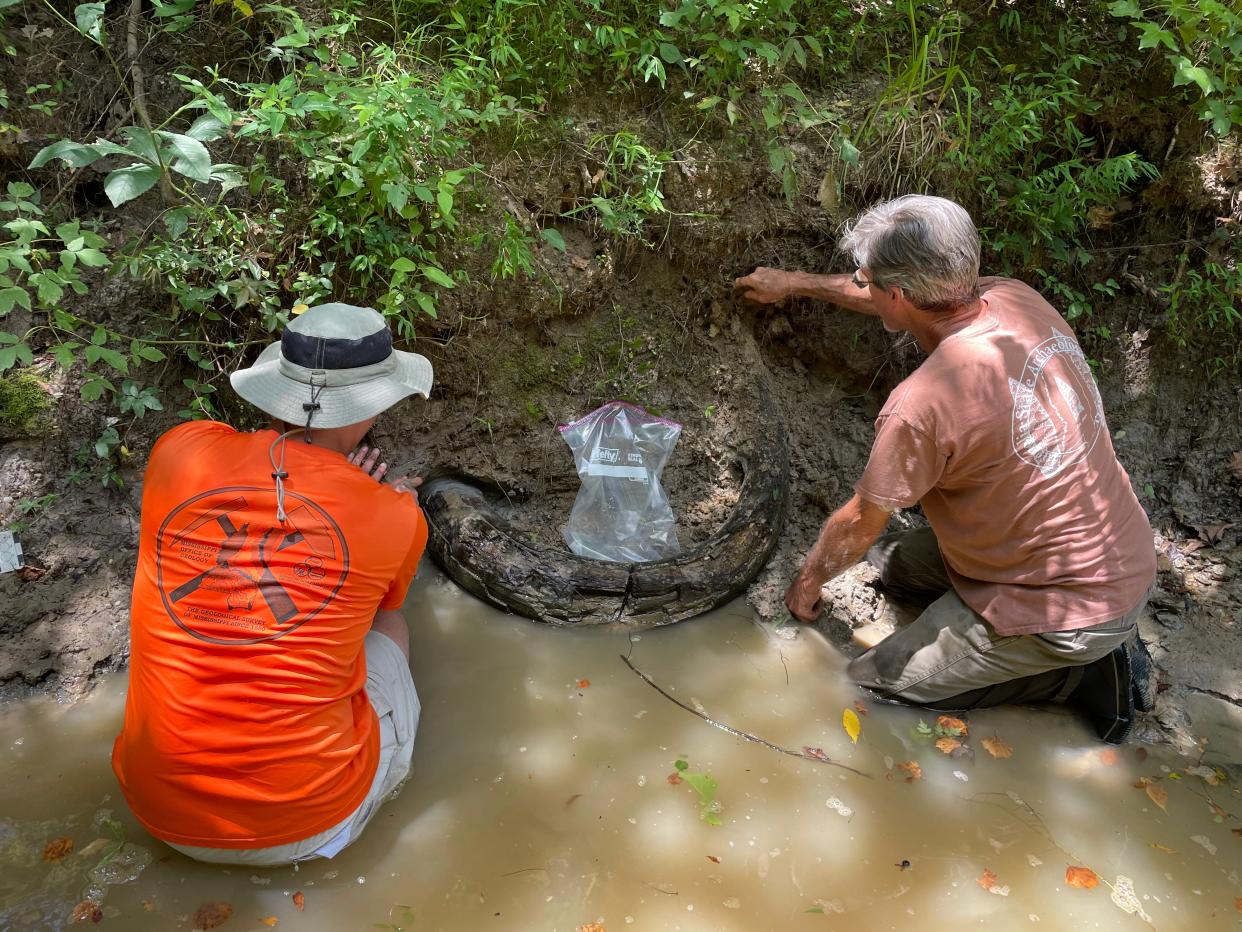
[279, 475]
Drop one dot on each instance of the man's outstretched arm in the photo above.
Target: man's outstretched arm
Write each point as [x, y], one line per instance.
[767, 286]
[844, 538]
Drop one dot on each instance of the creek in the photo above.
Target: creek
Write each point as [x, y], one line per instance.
[541, 800]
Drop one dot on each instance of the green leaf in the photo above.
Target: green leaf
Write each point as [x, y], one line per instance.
[444, 200]
[75, 154]
[1128, 8]
[125, 184]
[1186, 73]
[93, 388]
[206, 128]
[681, 765]
[403, 265]
[63, 354]
[1153, 36]
[193, 160]
[849, 152]
[142, 143]
[151, 354]
[437, 276]
[670, 53]
[11, 297]
[553, 238]
[89, 17]
[177, 222]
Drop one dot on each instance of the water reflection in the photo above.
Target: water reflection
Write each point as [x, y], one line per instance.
[540, 800]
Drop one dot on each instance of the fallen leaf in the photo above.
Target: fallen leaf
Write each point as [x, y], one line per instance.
[577, 796]
[948, 745]
[851, 724]
[299, 309]
[269, 921]
[988, 882]
[87, 911]
[713, 859]
[997, 746]
[1084, 878]
[1165, 848]
[148, 906]
[1213, 533]
[1237, 831]
[912, 769]
[592, 927]
[58, 849]
[579, 263]
[1235, 465]
[860, 707]
[1141, 754]
[674, 778]
[583, 684]
[94, 847]
[1141, 782]
[1158, 795]
[1100, 217]
[31, 573]
[952, 726]
[210, 915]
[1109, 756]
[299, 901]
[814, 753]
[1237, 903]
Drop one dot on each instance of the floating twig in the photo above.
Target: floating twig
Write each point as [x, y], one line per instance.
[737, 733]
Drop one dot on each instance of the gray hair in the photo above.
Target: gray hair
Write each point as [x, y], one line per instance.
[926, 246]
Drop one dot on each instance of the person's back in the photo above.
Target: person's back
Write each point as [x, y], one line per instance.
[270, 707]
[1034, 516]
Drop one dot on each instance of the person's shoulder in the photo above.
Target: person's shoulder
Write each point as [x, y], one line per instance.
[190, 431]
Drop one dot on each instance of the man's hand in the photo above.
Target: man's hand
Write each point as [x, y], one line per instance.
[764, 285]
[409, 485]
[368, 460]
[803, 600]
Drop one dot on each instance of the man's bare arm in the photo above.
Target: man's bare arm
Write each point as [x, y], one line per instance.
[767, 286]
[844, 538]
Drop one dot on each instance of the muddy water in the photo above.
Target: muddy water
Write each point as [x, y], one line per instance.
[541, 801]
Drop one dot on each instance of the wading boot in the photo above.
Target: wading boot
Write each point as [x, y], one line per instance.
[1143, 672]
[1105, 695]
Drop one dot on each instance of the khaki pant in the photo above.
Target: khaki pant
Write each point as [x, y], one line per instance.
[950, 658]
[390, 687]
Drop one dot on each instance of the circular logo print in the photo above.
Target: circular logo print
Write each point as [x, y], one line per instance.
[230, 573]
[1057, 411]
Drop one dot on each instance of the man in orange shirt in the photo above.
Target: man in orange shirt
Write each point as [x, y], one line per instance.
[1038, 558]
[271, 708]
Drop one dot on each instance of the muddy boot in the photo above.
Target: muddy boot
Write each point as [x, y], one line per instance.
[1105, 695]
[1143, 673]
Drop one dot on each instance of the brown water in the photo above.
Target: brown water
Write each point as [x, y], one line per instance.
[537, 804]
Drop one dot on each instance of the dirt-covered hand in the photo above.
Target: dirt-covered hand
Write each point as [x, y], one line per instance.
[409, 485]
[368, 460]
[763, 285]
[803, 600]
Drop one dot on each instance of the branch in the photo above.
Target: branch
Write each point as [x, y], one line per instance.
[735, 732]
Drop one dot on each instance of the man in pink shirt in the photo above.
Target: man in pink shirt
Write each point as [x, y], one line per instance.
[1038, 558]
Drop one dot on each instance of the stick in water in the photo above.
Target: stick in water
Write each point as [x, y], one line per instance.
[735, 732]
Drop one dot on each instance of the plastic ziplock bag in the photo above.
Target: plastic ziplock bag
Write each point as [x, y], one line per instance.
[621, 512]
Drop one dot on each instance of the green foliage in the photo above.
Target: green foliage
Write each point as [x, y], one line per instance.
[514, 257]
[1204, 311]
[22, 401]
[628, 186]
[705, 785]
[1202, 42]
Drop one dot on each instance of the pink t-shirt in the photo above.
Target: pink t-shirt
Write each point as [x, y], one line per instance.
[1000, 434]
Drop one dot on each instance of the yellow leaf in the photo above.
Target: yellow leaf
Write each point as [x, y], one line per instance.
[1165, 848]
[300, 308]
[269, 921]
[997, 747]
[1158, 795]
[851, 724]
[948, 745]
[244, 8]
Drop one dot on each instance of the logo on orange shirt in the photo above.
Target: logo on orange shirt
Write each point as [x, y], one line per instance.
[230, 573]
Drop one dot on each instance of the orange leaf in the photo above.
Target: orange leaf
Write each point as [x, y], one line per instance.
[592, 927]
[814, 753]
[1237, 903]
[954, 726]
[58, 849]
[1158, 795]
[1082, 877]
[674, 778]
[912, 768]
[1165, 848]
[997, 746]
[948, 745]
[987, 881]
[1109, 756]
[299, 901]
[713, 859]
[583, 684]
[87, 911]
[210, 915]
[269, 921]
[860, 707]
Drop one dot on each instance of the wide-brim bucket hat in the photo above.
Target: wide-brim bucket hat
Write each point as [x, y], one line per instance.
[334, 365]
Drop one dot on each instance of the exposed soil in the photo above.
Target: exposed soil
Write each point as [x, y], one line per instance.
[660, 327]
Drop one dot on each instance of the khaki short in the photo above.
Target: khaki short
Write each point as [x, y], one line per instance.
[951, 658]
[390, 687]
